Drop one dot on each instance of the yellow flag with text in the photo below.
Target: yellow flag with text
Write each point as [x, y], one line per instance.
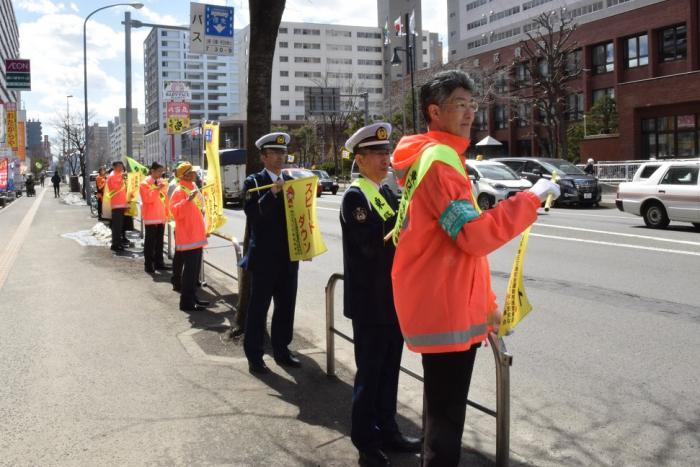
[303, 233]
[133, 180]
[215, 200]
[517, 305]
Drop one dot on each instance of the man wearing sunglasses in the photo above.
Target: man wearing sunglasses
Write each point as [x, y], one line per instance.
[441, 277]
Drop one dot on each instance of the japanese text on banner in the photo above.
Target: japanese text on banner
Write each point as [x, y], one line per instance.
[215, 203]
[304, 236]
[517, 305]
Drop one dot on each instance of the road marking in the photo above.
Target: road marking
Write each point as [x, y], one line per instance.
[328, 209]
[619, 234]
[623, 218]
[622, 245]
[8, 257]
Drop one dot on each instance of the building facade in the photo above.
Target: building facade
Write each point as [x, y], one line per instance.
[389, 11]
[117, 136]
[311, 55]
[9, 48]
[100, 145]
[213, 81]
[647, 58]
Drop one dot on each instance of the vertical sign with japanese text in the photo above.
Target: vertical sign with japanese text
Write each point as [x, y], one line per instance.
[11, 124]
[305, 240]
[211, 29]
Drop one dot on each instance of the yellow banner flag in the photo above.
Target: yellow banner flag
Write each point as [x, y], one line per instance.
[303, 233]
[210, 207]
[133, 180]
[517, 306]
[215, 201]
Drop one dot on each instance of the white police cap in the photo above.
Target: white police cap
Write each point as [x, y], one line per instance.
[276, 140]
[376, 134]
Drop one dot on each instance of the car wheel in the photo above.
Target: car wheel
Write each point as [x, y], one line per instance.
[697, 226]
[484, 201]
[655, 216]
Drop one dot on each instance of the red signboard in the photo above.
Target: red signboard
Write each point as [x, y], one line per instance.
[4, 166]
[16, 65]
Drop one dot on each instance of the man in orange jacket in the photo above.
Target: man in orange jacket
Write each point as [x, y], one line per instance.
[117, 194]
[100, 182]
[441, 277]
[154, 208]
[187, 205]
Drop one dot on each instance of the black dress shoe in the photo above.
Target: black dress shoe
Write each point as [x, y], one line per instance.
[373, 457]
[117, 248]
[258, 368]
[149, 270]
[163, 267]
[288, 360]
[203, 303]
[194, 307]
[400, 443]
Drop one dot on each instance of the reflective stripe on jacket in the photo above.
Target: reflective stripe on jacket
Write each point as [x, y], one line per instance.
[441, 278]
[153, 202]
[190, 232]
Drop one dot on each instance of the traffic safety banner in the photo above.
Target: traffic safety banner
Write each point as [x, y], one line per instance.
[305, 240]
[215, 201]
[517, 305]
[11, 125]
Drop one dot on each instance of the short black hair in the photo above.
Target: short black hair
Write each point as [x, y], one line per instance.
[155, 166]
[438, 89]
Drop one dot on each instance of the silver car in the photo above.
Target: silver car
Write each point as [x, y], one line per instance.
[494, 182]
[670, 192]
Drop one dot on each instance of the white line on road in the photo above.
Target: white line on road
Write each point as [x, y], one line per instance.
[7, 258]
[328, 209]
[619, 234]
[622, 245]
[577, 214]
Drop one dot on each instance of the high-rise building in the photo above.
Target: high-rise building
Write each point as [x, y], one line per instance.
[389, 11]
[212, 79]
[100, 145]
[430, 50]
[9, 48]
[117, 136]
[311, 55]
[478, 26]
[34, 136]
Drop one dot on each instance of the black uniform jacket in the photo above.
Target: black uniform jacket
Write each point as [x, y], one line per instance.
[268, 236]
[367, 259]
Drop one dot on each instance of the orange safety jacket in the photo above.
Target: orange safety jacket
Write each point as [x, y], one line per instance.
[441, 277]
[154, 201]
[190, 232]
[100, 183]
[117, 189]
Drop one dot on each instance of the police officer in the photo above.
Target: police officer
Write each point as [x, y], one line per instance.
[367, 215]
[273, 274]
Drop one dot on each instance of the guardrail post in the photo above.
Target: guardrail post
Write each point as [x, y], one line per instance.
[330, 324]
[170, 241]
[504, 360]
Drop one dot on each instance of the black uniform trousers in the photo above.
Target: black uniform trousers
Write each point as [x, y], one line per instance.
[278, 283]
[176, 278]
[153, 246]
[192, 264]
[117, 226]
[56, 190]
[99, 208]
[378, 351]
[445, 389]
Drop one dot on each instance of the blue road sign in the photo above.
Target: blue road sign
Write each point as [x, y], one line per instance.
[219, 21]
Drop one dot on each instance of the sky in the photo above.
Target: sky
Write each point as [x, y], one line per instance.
[51, 37]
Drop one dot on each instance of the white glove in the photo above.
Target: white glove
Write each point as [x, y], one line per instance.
[544, 187]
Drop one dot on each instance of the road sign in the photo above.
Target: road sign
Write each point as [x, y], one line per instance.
[178, 116]
[17, 74]
[177, 91]
[211, 29]
[320, 101]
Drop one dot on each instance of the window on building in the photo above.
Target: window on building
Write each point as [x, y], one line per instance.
[476, 4]
[284, 73]
[574, 62]
[284, 58]
[307, 59]
[337, 33]
[481, 121]
[599, 93]
[534, 3]
[307, 45]
[673, 43]
[284, 117]
[367, 48]
[282, 30]
[368, 62]
[369, 35]
[477, 23]
[574, 106]
[299, 118]
[339, 47]
[284, 45]
[500, 116]
[522, 75]
[299, 103]
[603, 58]
[284, 87]
[524, 114]
[637, 51]
[675, 136]
[501, 82]
[284, 102]
[543, 67]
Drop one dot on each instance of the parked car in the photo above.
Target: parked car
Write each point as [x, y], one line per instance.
[327, 183]
[495, 182]
[303, 173]
[233, 167]
[577, 188]
[389, 180]
[670, 193]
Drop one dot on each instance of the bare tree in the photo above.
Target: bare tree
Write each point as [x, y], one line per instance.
[552, 60]
[265, 18]
[71, 128]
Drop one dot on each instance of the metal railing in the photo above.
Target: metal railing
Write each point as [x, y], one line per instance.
[504, 361]
[622, 171]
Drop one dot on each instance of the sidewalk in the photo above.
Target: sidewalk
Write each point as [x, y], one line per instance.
[101, 368]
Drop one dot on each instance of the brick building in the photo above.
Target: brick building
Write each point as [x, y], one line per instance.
[648, 59]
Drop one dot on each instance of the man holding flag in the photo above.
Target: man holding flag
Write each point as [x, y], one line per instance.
[116, 195]
[154, 208]
[441, 277]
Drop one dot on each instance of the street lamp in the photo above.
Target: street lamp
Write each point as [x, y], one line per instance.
[66, 127]
[86, 172]
[396, 61]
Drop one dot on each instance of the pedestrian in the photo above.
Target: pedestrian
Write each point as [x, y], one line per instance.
[42, 176]
[367, 214]
[56, 180]
[273, 274]
[441, 278]
[116, 192]
[190, 236]
[154, 207]
[590, 167]
[100, 182]
[29, 185]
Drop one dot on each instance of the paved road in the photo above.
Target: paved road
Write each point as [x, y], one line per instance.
[604, 367]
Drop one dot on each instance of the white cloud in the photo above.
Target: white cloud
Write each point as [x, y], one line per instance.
[40, 6]
[74, 7]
